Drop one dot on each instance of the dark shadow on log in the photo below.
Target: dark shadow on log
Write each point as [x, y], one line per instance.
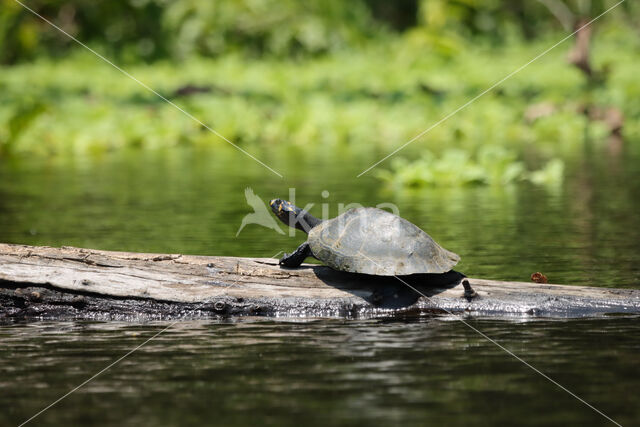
[388, 292]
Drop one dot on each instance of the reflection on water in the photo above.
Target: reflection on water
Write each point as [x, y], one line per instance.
[405, 372]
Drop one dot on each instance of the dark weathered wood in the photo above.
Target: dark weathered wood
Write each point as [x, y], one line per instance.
[87, 283]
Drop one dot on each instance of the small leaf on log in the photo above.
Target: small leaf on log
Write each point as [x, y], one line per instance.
[539, 278]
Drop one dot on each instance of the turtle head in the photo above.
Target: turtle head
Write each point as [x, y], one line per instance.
[292, 215]
[286, 212]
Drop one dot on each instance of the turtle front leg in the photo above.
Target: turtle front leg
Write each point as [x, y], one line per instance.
[295, 259]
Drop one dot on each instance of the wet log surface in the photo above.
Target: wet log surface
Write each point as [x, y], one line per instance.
[60, 283]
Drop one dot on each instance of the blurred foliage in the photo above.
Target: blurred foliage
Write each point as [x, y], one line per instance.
[323, 102]
[265, 26]
[18, 122]
[366, 74]
[491, 165]
[131, 30]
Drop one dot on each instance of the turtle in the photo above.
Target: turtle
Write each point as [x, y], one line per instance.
[369, 241]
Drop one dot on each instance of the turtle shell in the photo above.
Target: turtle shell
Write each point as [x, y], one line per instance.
[374, 241]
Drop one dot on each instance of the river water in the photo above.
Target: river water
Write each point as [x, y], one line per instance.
[400, 371]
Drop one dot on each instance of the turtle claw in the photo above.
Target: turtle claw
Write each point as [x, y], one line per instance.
[283, 260]
[289, 261]
[469, 293]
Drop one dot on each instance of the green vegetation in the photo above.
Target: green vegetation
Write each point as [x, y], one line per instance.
[320, 78]
[494, 166]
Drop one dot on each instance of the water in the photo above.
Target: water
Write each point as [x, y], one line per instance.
[384, 372]
[406, 371]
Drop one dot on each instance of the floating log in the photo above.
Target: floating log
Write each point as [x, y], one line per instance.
[68, 282]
